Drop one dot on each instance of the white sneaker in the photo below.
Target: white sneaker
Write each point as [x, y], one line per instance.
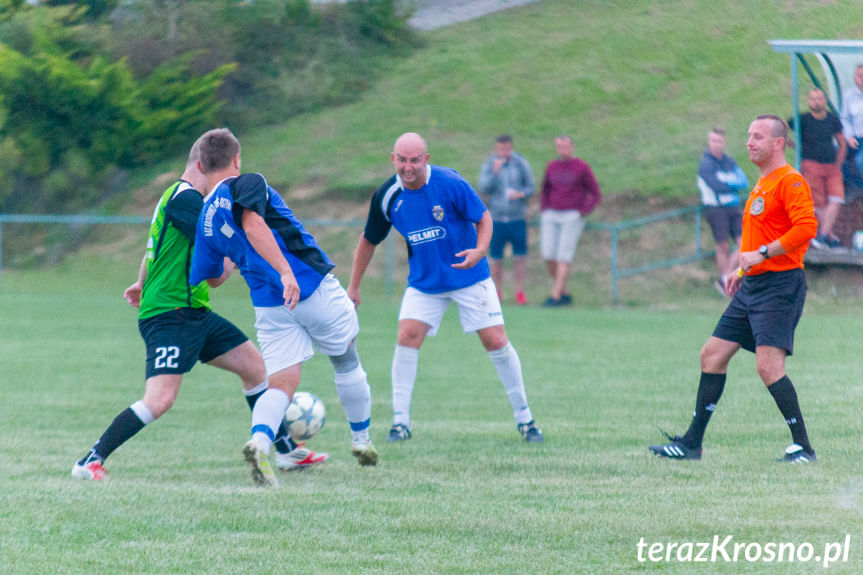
[259, 460]
[300, 458]
[364, 451]
[92, 471]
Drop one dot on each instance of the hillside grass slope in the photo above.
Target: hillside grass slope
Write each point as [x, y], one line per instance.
[636, 84]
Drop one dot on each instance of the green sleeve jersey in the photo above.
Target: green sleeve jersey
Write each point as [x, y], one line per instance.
[169, 254]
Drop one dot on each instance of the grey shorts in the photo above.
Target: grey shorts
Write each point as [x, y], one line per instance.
[559, 232]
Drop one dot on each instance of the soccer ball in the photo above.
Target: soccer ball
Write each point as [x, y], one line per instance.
[305, 416]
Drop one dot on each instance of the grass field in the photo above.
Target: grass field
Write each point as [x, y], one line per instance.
[466, 495]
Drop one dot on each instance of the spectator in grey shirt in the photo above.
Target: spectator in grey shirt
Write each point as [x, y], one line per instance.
[506, 182]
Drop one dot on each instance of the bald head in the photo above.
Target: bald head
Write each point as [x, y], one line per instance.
[411, 143]
[410, 157]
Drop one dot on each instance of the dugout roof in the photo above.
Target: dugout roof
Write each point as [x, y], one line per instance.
[838, 59]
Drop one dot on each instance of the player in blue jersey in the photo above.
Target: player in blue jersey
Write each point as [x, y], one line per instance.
[448, 230]
[179, 329]
[299, 305]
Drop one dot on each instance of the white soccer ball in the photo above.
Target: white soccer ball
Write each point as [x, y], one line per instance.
[305, 416]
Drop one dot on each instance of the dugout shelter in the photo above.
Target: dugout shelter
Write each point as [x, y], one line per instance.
[838, 59]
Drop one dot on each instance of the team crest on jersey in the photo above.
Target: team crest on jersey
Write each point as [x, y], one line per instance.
[757, 206]
[437, 212]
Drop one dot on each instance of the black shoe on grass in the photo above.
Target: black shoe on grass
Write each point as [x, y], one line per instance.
[676, 449]
[795, 453]
[399, 432]
[530, 432]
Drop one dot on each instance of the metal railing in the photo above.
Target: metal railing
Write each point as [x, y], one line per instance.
[615, 229]
[618, 273]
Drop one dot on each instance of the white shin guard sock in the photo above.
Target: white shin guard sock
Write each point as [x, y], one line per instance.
[508, 367]
[356, 399]
[268, 414]
[404, 375]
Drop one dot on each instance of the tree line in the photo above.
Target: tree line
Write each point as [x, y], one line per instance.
[91, 90]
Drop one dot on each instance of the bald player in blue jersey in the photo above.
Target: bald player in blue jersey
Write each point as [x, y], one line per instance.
[447, 229]
[299, 306]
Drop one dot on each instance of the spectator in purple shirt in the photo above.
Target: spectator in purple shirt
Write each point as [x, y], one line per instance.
[569, 193]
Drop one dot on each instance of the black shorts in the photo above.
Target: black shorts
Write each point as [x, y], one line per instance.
[725, 222]
[177, 339]
[765, 311]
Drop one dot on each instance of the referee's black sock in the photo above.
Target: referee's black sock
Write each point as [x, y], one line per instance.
[709, 391]
[283, 442]
[786, 400]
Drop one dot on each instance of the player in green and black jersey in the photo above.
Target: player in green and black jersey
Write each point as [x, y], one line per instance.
[179, 329]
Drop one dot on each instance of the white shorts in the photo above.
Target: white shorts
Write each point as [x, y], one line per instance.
[478, 306]
[325, 321]
[559, 232]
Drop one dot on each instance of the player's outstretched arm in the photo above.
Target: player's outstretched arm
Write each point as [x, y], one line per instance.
[262, 240]
[362, 256]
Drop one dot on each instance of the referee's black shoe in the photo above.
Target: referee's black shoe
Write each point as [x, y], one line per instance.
[795, 453]
[676, 449]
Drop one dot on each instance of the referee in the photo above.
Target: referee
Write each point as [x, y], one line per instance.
[768, 293]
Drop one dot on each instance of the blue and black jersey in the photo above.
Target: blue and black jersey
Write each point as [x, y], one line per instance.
[220, 234]
[437, 221]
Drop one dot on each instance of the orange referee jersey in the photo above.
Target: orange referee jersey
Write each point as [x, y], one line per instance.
[779, 207]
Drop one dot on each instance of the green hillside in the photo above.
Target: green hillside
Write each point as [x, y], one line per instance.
[637, 84]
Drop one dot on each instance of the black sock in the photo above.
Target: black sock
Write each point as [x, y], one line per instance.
[709, 391]
[786, 400]
[283, 442]
[124, 426]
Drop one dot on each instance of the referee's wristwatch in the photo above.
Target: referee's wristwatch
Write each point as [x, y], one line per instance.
[763, 251]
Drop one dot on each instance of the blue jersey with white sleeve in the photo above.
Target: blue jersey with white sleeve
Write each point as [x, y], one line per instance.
[437, 221]
[220, 234]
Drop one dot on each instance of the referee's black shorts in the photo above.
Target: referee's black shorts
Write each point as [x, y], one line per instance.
[178, 338]
[765, 311]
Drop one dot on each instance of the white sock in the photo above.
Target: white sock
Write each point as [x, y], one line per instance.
[356, 399]
[404, 375]
[508, 367]
[267, 415]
